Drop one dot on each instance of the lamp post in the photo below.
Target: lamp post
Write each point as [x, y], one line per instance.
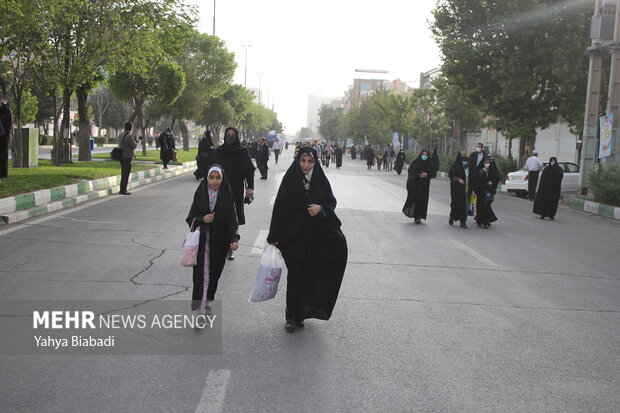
[260, 76]
[245, 81]
[214, 17]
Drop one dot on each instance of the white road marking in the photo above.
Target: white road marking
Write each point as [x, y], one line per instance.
[214, 392]
[480, 257]
[260, 242]
[276, 187]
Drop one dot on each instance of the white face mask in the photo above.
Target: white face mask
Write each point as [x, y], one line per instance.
[487, 165]
[4, 102]
[552, 163]
[478, 149]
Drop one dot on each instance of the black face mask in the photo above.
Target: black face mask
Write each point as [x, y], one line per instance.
[230, 139]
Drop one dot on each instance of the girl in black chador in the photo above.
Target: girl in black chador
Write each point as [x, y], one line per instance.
[459, 181]
[418, 186]
[549, 188]
[487, 179]
[400, 162]
[305, 228]
[213, 211]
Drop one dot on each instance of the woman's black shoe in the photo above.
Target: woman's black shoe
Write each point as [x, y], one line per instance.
[290, 325]
[417, 221]
[463, 225]
[450, 221]
[301, 324]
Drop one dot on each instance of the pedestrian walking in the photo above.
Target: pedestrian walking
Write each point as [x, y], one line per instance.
[166, 147]
[418, 187]
[213, 211]
[533, 165]
[277, 147]
[458, 174]
[262, 157]
[239, 170]
[6, 135]
[388, 157]
[353, 152]
[329, 150]
[305, 228]
[205, 152]
[369, 154]
[400, 161]
[549, 189]
[485, 188]
[338, 156]
[128, 144]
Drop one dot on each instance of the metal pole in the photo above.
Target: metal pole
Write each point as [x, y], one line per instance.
[590, 123]
[260, 76]
[613, 96]
[214, 17]
[245, 81]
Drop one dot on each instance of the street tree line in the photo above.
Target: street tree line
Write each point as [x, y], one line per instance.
[516, 65]
[137, 60]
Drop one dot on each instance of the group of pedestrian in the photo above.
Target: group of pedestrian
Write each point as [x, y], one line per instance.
[304, 227]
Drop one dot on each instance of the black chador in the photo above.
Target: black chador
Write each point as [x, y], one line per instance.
[400, 161]
[222, 232]
[458, 190]
[205, 152]
[238, 167]
[485, 187]
[418, 187]
[549, 188]
[314, 248]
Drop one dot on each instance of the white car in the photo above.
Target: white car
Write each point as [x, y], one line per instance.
[517, 181]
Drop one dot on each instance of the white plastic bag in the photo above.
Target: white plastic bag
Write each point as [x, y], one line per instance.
[189, 249]
[268, 277]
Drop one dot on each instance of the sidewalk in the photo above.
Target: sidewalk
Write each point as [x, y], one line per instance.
[21, 207]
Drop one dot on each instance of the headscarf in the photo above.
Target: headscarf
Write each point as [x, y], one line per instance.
[233, 155]
[206, 144]
[418, 166]
[290, 211]
[457, 169]
[554, 171]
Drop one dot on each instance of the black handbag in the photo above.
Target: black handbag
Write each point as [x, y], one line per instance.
[116, 154]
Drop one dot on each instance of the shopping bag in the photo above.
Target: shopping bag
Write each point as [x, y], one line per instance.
[189, 249]
[174, 156]
[268, 277]
[472, 210]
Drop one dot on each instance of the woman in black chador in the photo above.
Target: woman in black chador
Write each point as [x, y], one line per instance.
[418, 186]
[213, 211]
[487, 179]
[338, 155]
[458, 189]
[549, 188]
[205, 151]
[353, 152]
[305, 228]
[400, 162]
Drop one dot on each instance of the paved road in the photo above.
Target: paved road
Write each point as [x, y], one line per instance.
[524, 316]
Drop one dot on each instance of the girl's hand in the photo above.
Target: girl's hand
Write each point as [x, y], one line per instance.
[489, 183]
[314, 209]
[461, 182]
[234, 246]
[423, 175]
[275, 244]
[208, 218]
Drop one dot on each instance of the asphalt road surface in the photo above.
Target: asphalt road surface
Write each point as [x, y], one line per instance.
[522, 317]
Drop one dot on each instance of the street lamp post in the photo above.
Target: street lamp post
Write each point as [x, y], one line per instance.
[245, 81]
[260, 76]
[214, 17]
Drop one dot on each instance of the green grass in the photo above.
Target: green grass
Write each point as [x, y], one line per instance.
[153, 155]
[24, 180]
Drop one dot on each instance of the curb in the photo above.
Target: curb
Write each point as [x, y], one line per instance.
[595, 208]
[25, 206]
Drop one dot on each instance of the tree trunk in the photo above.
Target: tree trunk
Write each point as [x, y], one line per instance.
[16, 143]
[510, 149]
[84, 136]
[140, 115]
[527, 145]
[184, 134]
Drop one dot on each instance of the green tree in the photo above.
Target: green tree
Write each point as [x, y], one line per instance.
[517, 60]
[330, 122]
[305, 133]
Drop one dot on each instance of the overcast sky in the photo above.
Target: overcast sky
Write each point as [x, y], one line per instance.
[313, 47]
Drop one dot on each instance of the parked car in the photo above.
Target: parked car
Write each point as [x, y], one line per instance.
[517, 181]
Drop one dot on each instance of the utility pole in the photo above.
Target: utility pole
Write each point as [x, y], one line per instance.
[214, 17]
[260, 76]
[245, 81]
[613, 97]
[590, 122]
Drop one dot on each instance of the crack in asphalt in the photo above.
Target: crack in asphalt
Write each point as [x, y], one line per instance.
[508, 270]
[511, 307]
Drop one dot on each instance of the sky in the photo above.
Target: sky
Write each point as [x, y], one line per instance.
[313, 47]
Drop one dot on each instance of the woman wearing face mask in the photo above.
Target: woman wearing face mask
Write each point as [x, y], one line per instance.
[418, 187]
[239, 170]
[549, 188]
[487, 179]
[213, 211]
[305, 228]
[459, 180]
